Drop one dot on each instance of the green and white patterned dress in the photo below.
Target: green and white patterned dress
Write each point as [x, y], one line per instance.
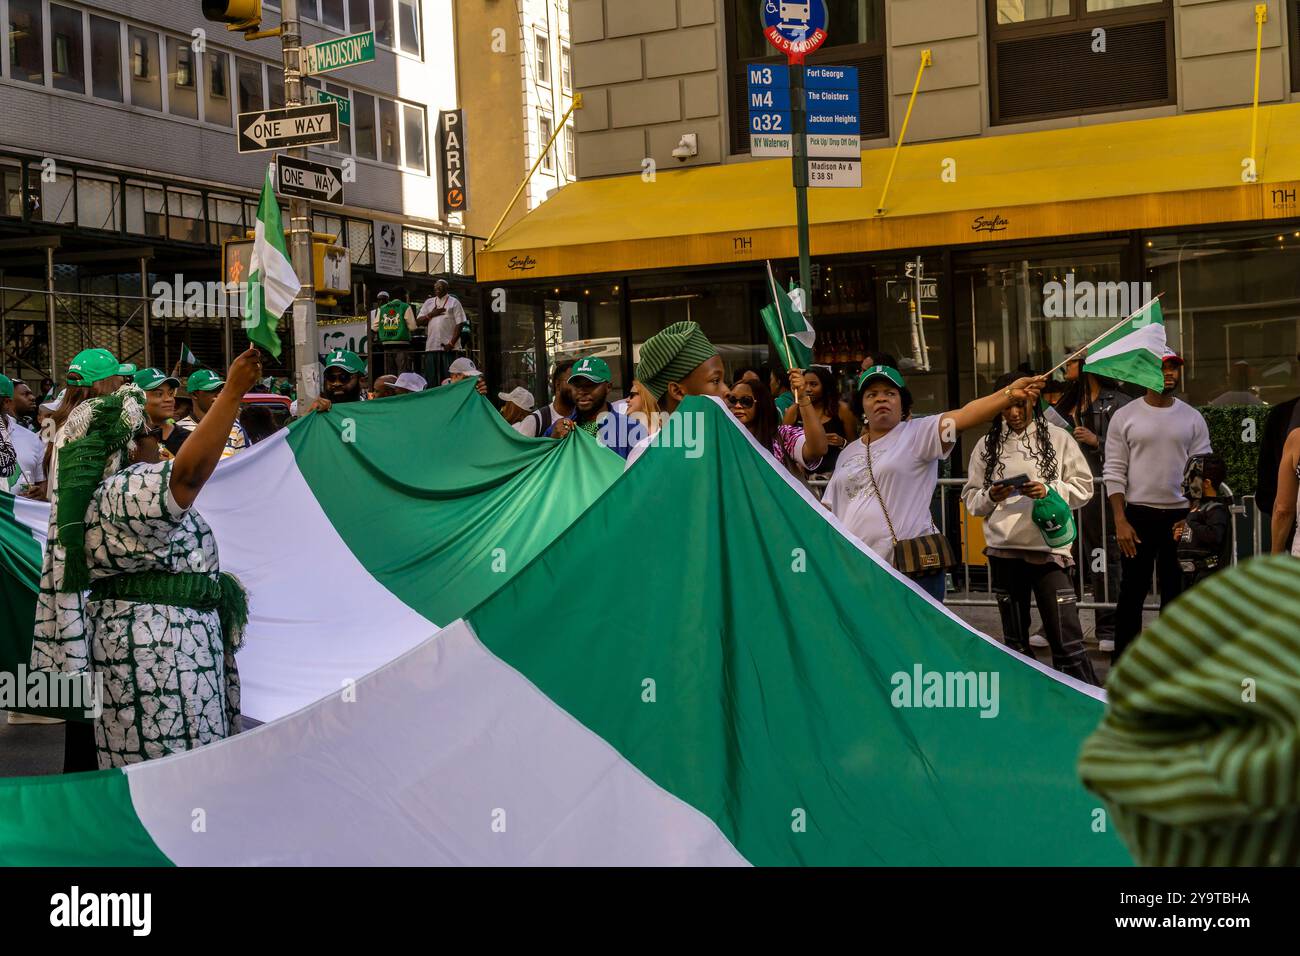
[169, 680]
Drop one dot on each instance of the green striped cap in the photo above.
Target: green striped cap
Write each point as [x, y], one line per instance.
[1198, 754]
[672, 354]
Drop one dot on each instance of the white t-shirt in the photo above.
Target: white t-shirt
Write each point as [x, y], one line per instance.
[906, 466]
[1147, 448]
[527, 426]
[31, 457]
[442, 327]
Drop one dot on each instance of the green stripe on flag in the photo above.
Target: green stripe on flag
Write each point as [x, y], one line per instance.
[79, 819]
[1133, 352]
[775, 644]
[439, 526]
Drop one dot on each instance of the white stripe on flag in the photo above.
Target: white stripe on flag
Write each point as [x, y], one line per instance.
[1149, 337]
[437, 747]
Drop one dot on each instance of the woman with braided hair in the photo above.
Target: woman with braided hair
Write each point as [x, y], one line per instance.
[132, 596]
[1018, 471]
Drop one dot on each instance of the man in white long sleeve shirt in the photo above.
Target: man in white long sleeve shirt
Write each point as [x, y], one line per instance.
[443, 314]
[1146, 451]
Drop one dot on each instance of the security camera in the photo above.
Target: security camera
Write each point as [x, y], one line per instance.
[686, 148]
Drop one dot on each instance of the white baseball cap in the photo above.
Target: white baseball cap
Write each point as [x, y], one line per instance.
[463, 366]
[411, 382]
[520, 396]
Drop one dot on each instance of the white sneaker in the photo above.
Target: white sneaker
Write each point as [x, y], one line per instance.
[1106, 646]
[31, 719]
[1037, 640]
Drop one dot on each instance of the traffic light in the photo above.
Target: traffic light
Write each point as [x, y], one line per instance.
[240, 14]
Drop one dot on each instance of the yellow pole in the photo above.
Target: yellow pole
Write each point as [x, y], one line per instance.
[577, 105]
[926, 60]
[1261, 14]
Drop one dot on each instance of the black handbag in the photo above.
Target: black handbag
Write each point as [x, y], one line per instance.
[915, 557]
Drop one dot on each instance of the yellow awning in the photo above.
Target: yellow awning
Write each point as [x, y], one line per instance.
[1152, 173]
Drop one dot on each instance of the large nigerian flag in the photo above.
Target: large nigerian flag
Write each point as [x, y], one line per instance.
[764, 691]
[1133, 351]
[787, 325]
[272, 283]
[358, 532]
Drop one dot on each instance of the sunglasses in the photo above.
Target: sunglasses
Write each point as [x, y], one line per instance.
[744, 401]
[337, 375]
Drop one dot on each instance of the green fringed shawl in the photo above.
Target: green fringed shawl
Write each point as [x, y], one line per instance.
[81, 469]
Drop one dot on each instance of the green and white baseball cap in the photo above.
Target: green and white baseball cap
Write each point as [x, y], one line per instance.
[93, 365]
[6, 387]
[881, 371]
[590, 368]
[350, 362]
[1054, 519]
[151, 378]
[204, 380]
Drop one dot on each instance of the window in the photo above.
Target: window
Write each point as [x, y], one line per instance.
[859, 37]
[307, 10]
[413, 118]
[249, 73]
[97, 203]
[344, 145]
[1042, 63]
[545, 130]
[331, 13]
[146, 79]
[26, 41]
[542, 44]
[67, 49]
[105, 58]
[363, 124]
[385, 28]
[358, 16]
[389, 134]
[182, 96]
[566, 70]
[275, 86]
[216, 103]
[409, 15]
[570, 153]
[224, 219]
[184, 216]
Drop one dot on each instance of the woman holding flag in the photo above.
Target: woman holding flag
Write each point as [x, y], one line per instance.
[132, 596]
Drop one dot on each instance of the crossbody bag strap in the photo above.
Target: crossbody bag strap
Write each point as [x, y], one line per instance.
[876, 488]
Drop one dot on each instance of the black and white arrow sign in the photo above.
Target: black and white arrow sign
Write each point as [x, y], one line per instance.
[307, 180]
[288, 127]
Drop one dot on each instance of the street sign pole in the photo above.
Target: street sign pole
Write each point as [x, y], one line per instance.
[306, 371]
[799, 161]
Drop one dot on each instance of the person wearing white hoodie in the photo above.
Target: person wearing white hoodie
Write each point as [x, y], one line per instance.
[1023, 445]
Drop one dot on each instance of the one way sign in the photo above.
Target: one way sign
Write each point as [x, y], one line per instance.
[288, 127]
[307, 180]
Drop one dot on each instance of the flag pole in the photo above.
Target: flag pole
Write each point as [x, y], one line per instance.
[785, 339]
[1084, 348]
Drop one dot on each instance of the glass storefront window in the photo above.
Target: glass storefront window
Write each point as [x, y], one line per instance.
[726, 309]
[915, 333]
[1232, 308]
[581, 321]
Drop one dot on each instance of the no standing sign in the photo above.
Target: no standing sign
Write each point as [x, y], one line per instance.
[795, 29]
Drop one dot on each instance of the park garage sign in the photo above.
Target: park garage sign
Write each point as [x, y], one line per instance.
[451, 154]
[795, 29]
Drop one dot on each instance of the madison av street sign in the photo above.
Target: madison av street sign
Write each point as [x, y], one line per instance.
[288, 127]
[308, 180]
[337, 53]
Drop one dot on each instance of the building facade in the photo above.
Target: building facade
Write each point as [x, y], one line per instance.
[1106, 144]
[121, 175]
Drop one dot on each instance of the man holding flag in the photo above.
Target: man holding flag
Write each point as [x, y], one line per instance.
[1147, 448]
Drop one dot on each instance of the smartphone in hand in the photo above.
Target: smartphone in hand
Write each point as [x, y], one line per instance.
[1015, 481]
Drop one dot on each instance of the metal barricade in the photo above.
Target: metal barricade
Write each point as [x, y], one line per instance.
[965, 594]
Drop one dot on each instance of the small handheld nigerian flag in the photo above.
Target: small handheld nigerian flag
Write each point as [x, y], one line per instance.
[788, 326]
[272, 283]
[1133, 351]
[187, 356]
